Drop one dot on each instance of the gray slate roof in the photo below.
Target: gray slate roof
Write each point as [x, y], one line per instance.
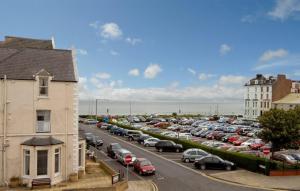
[45, 141]
[23, 63]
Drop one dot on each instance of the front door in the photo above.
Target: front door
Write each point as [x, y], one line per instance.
[42, 162]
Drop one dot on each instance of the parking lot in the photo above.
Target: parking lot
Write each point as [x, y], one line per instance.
[171, 173]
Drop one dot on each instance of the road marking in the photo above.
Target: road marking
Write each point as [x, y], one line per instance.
[193, 170]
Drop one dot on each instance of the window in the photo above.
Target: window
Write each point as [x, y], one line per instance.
[57, 160]
[261, 89]
[26, 162]
[268, 105]
[261, 96]
[267, 89]
[43, 86]
[43, 121]
[255, 96]
[264, 104]
[267, 96]
[80, 155]
[42, 162]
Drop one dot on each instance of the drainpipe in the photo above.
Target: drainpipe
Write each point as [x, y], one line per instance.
[4, 129]
[66, 134]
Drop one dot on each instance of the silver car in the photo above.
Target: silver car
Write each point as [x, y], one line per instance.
[191, 154]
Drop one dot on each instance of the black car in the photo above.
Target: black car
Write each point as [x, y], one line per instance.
[112, 148]
[166, 145]
[142, 138]
[96, 141]
[213, 162]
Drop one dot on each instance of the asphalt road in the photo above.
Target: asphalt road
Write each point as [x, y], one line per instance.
[170, 176]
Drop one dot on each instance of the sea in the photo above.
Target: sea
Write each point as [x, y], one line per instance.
[112, 107]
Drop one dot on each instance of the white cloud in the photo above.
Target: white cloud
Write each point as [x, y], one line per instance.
[111, 31]
[285, 9]
[103, 75]
[224, 49]
[192, 71]
[203, 76]
[248, 19]
[152, 71]
[174, 85]
[94, 24]
[133, 41]
[114, 53]
[82, 52]
[134, 72]
[271, 54]
[232, 80]
[215, 92]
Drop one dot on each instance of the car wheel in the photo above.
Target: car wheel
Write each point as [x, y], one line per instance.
[187, 160]
[147, 145]
[228, 168]
[177, 150]
[160, 150]
[203, 167]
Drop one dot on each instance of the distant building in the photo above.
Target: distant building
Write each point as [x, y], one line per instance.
[260, 92]
[288, 102]
[38, 112]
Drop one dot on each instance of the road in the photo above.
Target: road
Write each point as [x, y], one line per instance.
[170, 175]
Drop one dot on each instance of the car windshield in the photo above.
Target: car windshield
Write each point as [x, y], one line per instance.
[289, 157]
[116, 146]
[145, 163]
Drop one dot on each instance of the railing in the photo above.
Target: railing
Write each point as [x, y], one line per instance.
[43, 127]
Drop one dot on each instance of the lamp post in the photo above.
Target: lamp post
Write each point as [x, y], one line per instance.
[96, 112]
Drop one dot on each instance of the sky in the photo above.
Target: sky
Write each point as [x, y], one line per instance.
[184, 50]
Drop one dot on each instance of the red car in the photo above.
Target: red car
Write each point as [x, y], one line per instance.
[233, 138]
[162, 125]
[256, 146]
[240, 141]
[143, 166]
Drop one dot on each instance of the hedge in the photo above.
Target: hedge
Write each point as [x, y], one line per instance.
[245, 161]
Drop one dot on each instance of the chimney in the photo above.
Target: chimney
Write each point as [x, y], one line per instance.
[258, 76]
[281, 77]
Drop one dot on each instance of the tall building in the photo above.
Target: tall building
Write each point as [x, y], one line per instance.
[38, 112]
[260, 92]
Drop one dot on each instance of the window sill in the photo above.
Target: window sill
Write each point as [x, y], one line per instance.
[43, 97]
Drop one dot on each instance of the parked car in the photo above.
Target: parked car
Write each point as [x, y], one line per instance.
[166, 145]
[227, 136]
[112, 148]
[286, 158]
[240, 141]
[90, 121]
[162, 125]
[143, 166]
[88, 137]
[96, 141]
[233, 138]
[135, 136]
[121, 154]
[191, 154]
[142, 138]
[213, 162]
[150, 142]
[249, 142]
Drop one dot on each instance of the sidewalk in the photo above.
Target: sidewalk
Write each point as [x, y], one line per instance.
[258, 180]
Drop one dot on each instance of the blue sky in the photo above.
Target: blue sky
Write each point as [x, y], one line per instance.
[171, 49]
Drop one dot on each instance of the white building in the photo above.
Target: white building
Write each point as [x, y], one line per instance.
[258, 96]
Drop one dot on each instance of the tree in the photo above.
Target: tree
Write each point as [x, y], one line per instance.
[280, 127]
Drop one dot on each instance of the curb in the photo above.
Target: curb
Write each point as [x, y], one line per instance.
[251, 186]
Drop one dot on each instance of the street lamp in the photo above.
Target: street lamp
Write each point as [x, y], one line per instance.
[96, 112]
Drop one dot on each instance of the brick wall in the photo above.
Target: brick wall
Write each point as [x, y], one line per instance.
[281, 87]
